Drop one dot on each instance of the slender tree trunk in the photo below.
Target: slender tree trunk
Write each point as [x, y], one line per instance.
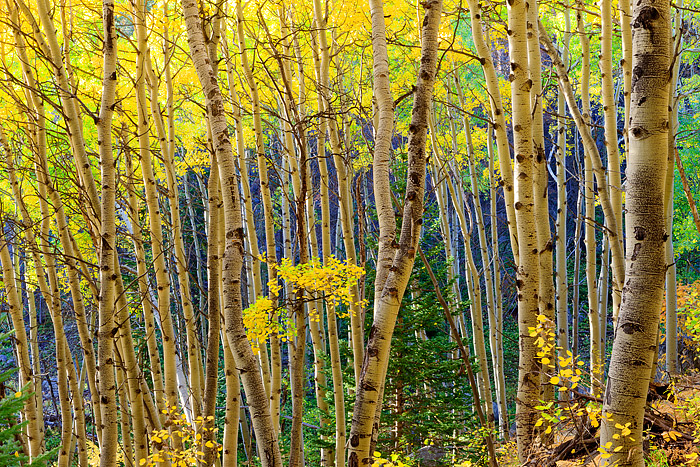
[270, 250]
[499, 126]
[610, 118]
[170, 362]
[395, 259]
[562, 206]
[26, 376]
[671, 298]
[233, 257]
[540, 195]
[108, 245]
[591, 149]
[214, 315]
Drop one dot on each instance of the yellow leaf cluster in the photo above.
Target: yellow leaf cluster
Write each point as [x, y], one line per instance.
[189, 435]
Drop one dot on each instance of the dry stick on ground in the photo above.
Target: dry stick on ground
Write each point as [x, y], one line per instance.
[465, 356]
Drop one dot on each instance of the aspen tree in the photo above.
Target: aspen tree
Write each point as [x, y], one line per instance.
[497, 351]
[26, 376]
[562, 205]
[671, 298]
[70, 106]
[108, 245]
[130, 368]
[486, 261]
[50, 292]
[594, 312]
[195, 240]
[38, 135]
[634, 349]
[155, 221]
[45, 181]
[301, 188]
[316, 326]
[590, 148]
[214, 319]
[345, 207]
[144, 291]
[625, 7]
[611, 146]
[295, 114]
[270, 250]
[393, 266]
[233, 256]
[193, 345]
[540, 187]
[529, 366]
[499, 124]
[272, 371]
[444, 190]
[475, 299]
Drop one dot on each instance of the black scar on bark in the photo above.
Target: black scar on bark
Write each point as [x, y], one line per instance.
[635, 252]
[640, 233]
[631, 328]
[645, 17]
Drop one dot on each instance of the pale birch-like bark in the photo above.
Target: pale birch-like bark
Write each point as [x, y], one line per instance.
[70, 108]
[144, 291]
[562, 206]
[272, 368]
[133, 376]
[625, 7]
[634, 349]
[485, 259]
[393, 277]
[167, 152]
[499, 124]
[591, 149]
[671, 298]
[108, 244]
[443, 191]
[193, 344]
[343, 171]
[529, 366]
[497, 351]
[26, 375]
[594, 312]
[610, 119]
[540, 187]
[214, 319]
[233, 256]
[51, 293]
[170, 365]
[46, 183]
[270, 246]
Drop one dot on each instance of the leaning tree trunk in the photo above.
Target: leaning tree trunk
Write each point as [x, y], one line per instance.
[395, 258]
[233, 255]
[634, 349]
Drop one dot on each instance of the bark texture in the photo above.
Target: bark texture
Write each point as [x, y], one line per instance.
[634, 348]
[395, 258]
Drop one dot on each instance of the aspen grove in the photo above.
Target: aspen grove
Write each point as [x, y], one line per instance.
[336, 233]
